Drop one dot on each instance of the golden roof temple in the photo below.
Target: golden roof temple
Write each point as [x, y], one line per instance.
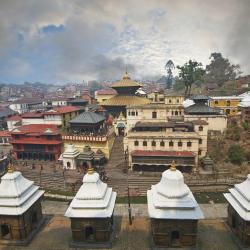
[126, 96]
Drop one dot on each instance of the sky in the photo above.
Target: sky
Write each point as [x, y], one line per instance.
[64, 41]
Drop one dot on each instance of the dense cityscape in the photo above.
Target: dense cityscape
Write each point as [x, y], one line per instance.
[122, 156]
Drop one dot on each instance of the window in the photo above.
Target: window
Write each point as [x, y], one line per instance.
[169, 101]
[216, 102]
[177, 101]
[144, 143]
[161, 99]
[136, 143]
[162, 144]
[128, 113]
[189, 144]
[133, 113]
[199, 152]
[171, 144]
[227, 111]
[153, 143]
[228, 103]
[176, 112]
[200, 128]
[172, 112]
[154, 114]
[179, 144]
[200, 141]
[5, 231]
[136, 113]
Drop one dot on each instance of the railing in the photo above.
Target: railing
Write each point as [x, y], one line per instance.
[163, 161]
[92, 138]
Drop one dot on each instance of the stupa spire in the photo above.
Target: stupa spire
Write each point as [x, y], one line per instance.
[173, 166]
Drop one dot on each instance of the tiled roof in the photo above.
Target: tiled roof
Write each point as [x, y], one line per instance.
[28, 101]
[88, 117]
[106, 92]
[5, 112]
[125, 100]
[5, 133]
[200, 97]
[199, 122]
[162, 153]
[37, 129]
[62, 110]
[125, 82]
[32, 115]
[201, 109]
[15, 118]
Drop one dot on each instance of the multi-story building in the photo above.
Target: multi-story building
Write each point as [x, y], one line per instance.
[26, 105]
[229, 104]
[217, 122]
[36, 142]
[244, 108]
[153, 145]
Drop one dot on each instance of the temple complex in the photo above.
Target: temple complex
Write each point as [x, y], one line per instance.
[91, 213]
[88, 123]
[20, 209]
[173, 211]
[200, 110]
[152, 146]
[239, 210]
[125, 96]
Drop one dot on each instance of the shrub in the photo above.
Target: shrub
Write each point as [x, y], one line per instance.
[245, 125]
[236, 154]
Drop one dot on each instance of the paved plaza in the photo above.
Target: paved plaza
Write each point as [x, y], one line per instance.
[56, 234]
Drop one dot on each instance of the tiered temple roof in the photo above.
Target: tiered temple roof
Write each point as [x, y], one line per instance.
[17, 194]
[94, 199]
[239, 198]
[171, 198]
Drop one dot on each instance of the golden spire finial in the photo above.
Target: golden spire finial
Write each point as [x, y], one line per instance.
[10, 168]
[126, 76]
[90, 169]
[173, 166]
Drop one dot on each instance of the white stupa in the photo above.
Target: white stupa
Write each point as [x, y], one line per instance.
[69, 157]
[239, 198]
[171, 198]
[17, 194]
[94, 199]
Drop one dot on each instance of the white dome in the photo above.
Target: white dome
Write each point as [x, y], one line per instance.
[94, 199]
[174, 182]
[187, 103]
[172, 199]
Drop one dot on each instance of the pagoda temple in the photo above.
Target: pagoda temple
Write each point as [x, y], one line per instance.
[91, 213]
[239, 211]
[125, 96]
[173, 210]
[20, 209]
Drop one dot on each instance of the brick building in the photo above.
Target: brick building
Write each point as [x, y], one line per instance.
[36, 142]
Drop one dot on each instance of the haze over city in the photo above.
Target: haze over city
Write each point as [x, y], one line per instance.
[63, 41]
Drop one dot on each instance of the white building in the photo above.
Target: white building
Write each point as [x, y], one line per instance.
[173, 210]
[239, 210]
[91, 211]
[20, 208]
[69, 156]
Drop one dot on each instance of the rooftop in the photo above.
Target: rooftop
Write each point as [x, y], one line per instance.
[125, 82]
[106, 92]
[125, 100]
[88, 117]
[62, 110]
[36, 129]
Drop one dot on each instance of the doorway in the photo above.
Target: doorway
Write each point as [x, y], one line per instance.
[89, 233]
[5, 232]
[175, 238]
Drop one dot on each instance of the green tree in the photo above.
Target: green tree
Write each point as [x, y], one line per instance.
[236, 154]
[169, 67]
[190, 73]
[221, 70]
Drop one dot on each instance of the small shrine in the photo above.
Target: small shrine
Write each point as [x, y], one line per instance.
[120, 124]
[173, 211]
[86, 157]
[207, 165]
[20, 209]
[239, 211]
[91, 213]
[69, 157]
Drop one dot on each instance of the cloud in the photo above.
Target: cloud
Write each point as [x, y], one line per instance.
[62, 41]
